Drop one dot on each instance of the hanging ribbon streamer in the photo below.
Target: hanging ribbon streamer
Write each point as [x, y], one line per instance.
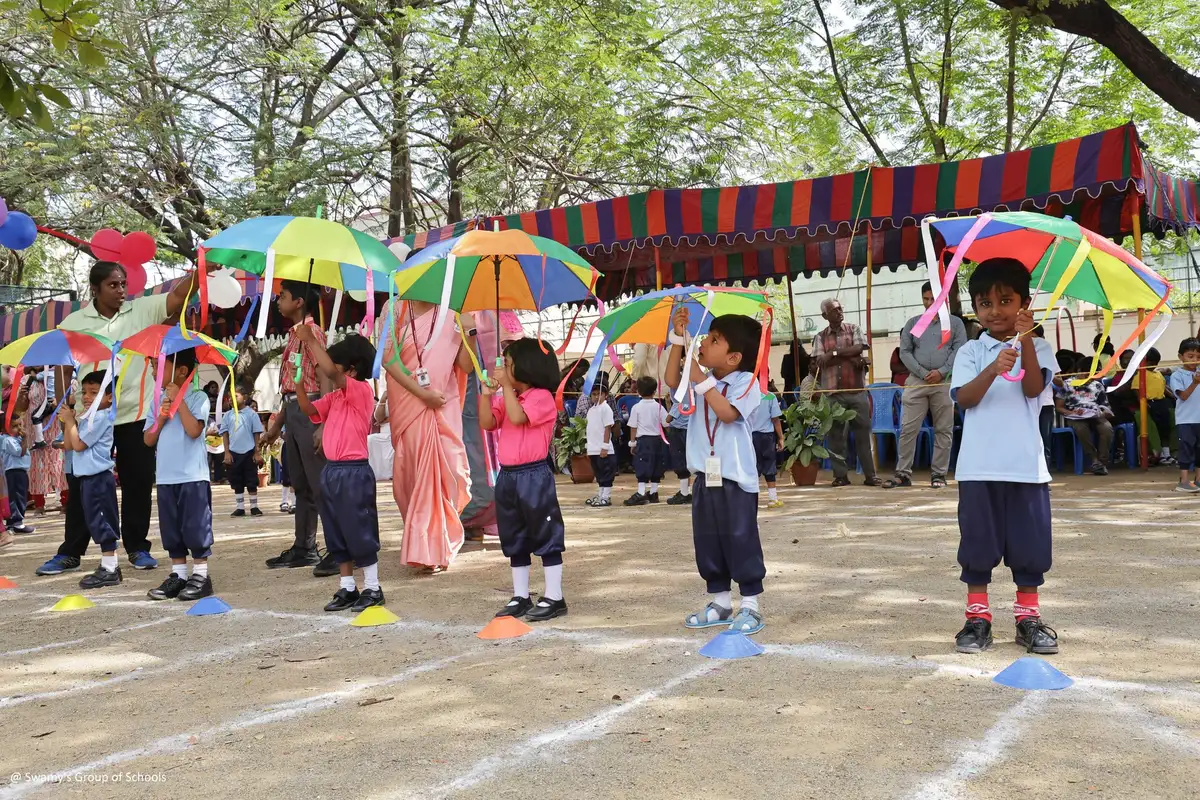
[470, 350]
[377, 367]
[94, 409]
[46, 423]
[570, 332]
[369, 321]
[158, 387]
[14, 380]
[268, 279]
[685, 385]
[1151, 338]
[221, 393]
[942, 291]
[337, 308]
[541, 296]
[202, 276]
[183, 328]
[246, 322]
[444, 308]
[764, 354]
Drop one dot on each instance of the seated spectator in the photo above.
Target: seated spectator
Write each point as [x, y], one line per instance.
[900, 372]
[1085, 409]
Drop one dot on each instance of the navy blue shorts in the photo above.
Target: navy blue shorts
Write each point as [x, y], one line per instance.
[677, 444]
[1009, 521]
[18, 495]
[527, 515]
[185, 519]
[243, 473]
[1188, 434]
[725, 534]
[605, 468]
[348, 512]
[649, 460]
[765, 454]
[99, 496]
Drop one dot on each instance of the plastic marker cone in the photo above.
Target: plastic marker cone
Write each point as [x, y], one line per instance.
[731, 644]
[73, 602]
[5, 583]
[1032, 673]
[375, 615]
[504, 628]
[208, 605]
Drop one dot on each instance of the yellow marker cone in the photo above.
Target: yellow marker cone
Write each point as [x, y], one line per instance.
[504, 628]
[73, 602]
[375, 615]
[5, 583]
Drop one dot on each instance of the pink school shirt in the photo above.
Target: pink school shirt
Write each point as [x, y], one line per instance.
[347, 417]
[525, 444]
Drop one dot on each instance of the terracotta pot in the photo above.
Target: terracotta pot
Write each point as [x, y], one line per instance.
[262, 480]
[581, 470]
[806, 476]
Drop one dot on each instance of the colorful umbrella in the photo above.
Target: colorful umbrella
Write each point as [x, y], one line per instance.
[1058, 253]
[56, 348]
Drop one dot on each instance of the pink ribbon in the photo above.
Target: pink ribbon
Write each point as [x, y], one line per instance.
[951, 273]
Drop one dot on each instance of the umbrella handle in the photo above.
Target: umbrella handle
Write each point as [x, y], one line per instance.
[1008, 376]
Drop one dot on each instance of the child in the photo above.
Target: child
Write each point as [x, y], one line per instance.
[91, 443]
[677, 431]
[1086, 411]
[348, 511]
[720, 453]
[241, 433]
[1187, 413]
[1157, 404]
[1003, 483]
[600, 447]
[14, 447]
[527, 513]
[646, 420]
[184, 493]
[766, 429]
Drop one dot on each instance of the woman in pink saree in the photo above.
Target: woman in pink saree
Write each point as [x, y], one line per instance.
[430, 477]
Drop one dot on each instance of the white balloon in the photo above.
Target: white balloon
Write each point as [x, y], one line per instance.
[224, 291]
[400, 249]
[358, 294]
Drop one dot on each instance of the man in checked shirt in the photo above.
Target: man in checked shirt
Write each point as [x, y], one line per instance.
[841, 354]
[297, 301]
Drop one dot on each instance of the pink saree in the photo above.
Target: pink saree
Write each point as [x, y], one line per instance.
[430, 477]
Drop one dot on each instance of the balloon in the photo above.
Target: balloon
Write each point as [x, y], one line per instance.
[135, 279]
[358, 294]
[3, 211]
[400, 249]
[18, 231]
[106, 244]
[137, 248]
[224, 291]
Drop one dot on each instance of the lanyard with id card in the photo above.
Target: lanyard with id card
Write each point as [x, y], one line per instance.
[712, 464]
[420, 373]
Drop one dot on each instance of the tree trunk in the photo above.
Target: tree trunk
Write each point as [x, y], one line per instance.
[252, 361]
[401, 215]
[1010, 100]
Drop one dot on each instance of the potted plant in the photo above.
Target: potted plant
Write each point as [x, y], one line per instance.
[806, 423]
[570, 447]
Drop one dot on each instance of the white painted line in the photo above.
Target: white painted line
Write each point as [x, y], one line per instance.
[81, 640]
[263, 716]
[1120, 523]
[516, 756]
[1161, 728]
[976, 757]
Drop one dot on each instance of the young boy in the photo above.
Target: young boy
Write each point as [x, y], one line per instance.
[14, 447]
[646, 420]
[348, 512]
[766, 428]
[241, 433]
[600, 447]
[1003, 483]
[677, 431]
[1157, 403]
[184, 494]
[1187, 413]
[720, 454]
[91, 443]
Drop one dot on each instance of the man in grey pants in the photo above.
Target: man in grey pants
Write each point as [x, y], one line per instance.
[841, 355]
[927, 391]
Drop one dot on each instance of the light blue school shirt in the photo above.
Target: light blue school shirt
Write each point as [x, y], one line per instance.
[180, 458]
[1001, 440]
[98, 436]
[241, 428]
[1187, 412]
[10, 449]
[762, 419]
[732, 442]
[679, 420]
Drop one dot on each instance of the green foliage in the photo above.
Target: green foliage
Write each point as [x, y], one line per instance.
[570, 441]
[805, 426]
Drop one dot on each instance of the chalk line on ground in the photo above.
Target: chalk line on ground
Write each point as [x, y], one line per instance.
[114, 632]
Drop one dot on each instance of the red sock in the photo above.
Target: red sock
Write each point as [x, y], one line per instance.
[977, 606]
[1026, 605]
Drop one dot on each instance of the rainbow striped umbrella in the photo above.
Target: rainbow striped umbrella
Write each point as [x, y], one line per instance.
[647, 319]
[160, 341]
[56, 348]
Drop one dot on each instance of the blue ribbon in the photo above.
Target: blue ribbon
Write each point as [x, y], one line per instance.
[594, 369]
[246, 322]
[377, 367]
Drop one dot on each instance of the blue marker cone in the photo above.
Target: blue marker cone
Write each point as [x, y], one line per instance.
[207, 606]
[1032, 673]
[731, 644]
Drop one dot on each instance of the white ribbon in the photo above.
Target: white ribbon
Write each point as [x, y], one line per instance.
[264, 308]
[94, 408]
[935, 278]
[337, 306]
[1152, 336]
[443, 310]
[684, 384]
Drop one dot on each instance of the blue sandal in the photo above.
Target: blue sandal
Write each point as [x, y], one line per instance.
[700, 618]
[747, 622]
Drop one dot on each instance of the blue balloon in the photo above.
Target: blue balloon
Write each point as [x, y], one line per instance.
[18, 231]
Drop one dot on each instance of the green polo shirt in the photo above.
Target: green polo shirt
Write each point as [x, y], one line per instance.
[134, 316]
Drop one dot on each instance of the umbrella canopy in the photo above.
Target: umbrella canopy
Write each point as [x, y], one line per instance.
[165, 340]
[647, 319]
[56, 348]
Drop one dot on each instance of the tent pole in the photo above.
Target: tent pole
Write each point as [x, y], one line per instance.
[787, 272]
[657, 271]
[870, 353]
[1143, 421]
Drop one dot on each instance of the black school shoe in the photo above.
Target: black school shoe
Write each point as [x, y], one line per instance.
[975, 637]
[343, 599]
[679, 499]
[517, 607]
[1037, 637]
[196, 588]
[547, 609]
[653, 497]
[637, 499]
[100, 578]
[238, 512]
[293, 557]
[368, 598]
[326, 567]
[168, 589]
[255, 511]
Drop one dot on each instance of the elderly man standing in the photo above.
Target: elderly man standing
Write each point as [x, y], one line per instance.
[927, 391]
[840, 352]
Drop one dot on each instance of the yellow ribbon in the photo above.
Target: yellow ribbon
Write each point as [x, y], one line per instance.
[467, 345]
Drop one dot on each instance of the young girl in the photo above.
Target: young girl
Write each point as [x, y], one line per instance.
[527, 513]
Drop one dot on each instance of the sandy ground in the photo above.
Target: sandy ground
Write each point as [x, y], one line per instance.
[860, 694]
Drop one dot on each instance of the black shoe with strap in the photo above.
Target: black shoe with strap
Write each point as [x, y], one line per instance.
[547, 609]
[101, 577]
[975, 637]
[342, 599]
[1036, 636]
[197, 586]
[293, 557]
[368, 598]
[326, 567]
[517, 607]
[168, 589]
[679, 499]
[637, 499]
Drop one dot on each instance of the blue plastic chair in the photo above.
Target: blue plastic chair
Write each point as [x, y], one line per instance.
[569, 405]
[884, 418]
[1129, 431]
[1056, 451]
[625, 404]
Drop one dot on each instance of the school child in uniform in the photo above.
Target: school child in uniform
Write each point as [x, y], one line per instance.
[1187, 413]
[242, 431]
[720, 453]
[348, 511]
[677, 431]
[646, 420]
[527, 513]
[600, 445]
[14, 448]
[1003, 483]
[182, 475]
[766, 429]
[91, 441]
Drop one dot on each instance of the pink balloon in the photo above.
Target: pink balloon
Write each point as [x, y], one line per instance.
[138, 248]
[135, 279]
[106, 244]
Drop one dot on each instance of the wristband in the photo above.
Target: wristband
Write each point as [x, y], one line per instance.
[703, 386]
[675, 338]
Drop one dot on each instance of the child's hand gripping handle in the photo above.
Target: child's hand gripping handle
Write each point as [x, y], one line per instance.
[1009, 376]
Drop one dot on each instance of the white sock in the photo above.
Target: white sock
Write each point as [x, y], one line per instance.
[641, 487]
[684, 489]
[772, 493]
[1166, 452]
[654, 488]
[520, 581]
[371, 576]
[605, 492]
[553, 582]
[254, 500]
[200, 569]
[722, 599]
[180, 570]
[241, 502]
[109, 562]
[283, 498]
[687, 492]
[346, 582]
[750, 603]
